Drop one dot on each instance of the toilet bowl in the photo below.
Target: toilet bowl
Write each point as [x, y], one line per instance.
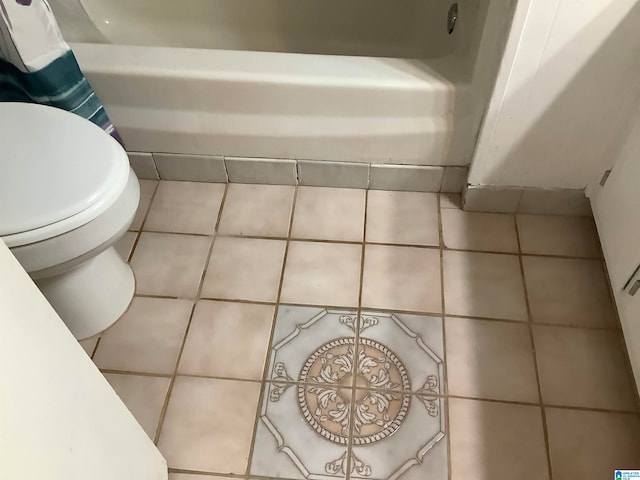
[67, 194]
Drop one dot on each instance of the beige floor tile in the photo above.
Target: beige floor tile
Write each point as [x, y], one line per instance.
[496, 441]
[450, 200]
[323, 213]
[490, 232]
[209, 424]
[244, 269]
[147, 188]
[124, 246]
[227, 340]
[592, 445]
[144, 396]
[582, 368]
[89, 344]
[185, 207]
[169, 265]
[257, 210]
[322, 274]
[488, 359]
[409, 218]
[568, 292]
[483, 285]
[147, 338]
[402, 278]
[558, 235]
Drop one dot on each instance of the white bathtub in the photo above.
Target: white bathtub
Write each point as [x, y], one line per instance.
[218, 77]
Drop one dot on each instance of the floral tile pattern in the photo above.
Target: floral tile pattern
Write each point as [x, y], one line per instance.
[417, 448]
[340, 399]
[299, 331]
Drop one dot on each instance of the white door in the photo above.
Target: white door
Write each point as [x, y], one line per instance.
[616, 209]
[59, 418]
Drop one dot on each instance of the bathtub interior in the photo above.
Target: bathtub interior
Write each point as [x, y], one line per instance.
[378, 81]
[410, 29]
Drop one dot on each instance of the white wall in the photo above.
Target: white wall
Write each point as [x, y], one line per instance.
[59, 418]
[565, 89]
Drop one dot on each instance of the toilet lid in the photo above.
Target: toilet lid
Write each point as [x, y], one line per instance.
[54, 165]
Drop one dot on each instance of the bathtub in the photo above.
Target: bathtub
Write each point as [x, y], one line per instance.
[367, 81]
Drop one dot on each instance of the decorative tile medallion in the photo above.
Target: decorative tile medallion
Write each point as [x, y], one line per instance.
[333, 398]
[336, 368]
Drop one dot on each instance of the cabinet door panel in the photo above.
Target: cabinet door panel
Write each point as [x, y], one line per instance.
[616, 208]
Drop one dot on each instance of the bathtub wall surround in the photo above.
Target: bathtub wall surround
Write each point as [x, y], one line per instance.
[366, 81]
[221, 169]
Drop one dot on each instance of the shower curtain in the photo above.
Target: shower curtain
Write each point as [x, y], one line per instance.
[37, 65]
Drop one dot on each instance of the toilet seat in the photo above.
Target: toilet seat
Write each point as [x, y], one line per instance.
[58, 172]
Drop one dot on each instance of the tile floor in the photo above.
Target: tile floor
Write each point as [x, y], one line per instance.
[325, 333]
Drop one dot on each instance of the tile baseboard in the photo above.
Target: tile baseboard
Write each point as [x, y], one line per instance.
[191, 168]
[272, 171]
[143, 165]
[539, 201]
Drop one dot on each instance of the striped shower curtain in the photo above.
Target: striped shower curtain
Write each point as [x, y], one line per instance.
[37, 65]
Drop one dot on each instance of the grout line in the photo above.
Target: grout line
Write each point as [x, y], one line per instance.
[411, 393]
[444, 338]
[135, 240]
[369, 389]
[133, 372]
[144, 219]
[226, 170]
[95, 347]
[544, 324]
[190, 234]
[267, 361]
[385, 309]
[238, 300]
[202, 472]
[229, 475]
[352, 403]
[178, 374]
[385, 244]
[545, 430]
[166, 297]
[165, 406]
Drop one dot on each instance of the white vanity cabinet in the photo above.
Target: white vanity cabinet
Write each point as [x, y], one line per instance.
[59, 418]
[615, 201]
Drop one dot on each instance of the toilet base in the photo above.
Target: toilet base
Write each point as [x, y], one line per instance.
[92, 296]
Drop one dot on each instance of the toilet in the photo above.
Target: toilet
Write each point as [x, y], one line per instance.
[67, 194]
